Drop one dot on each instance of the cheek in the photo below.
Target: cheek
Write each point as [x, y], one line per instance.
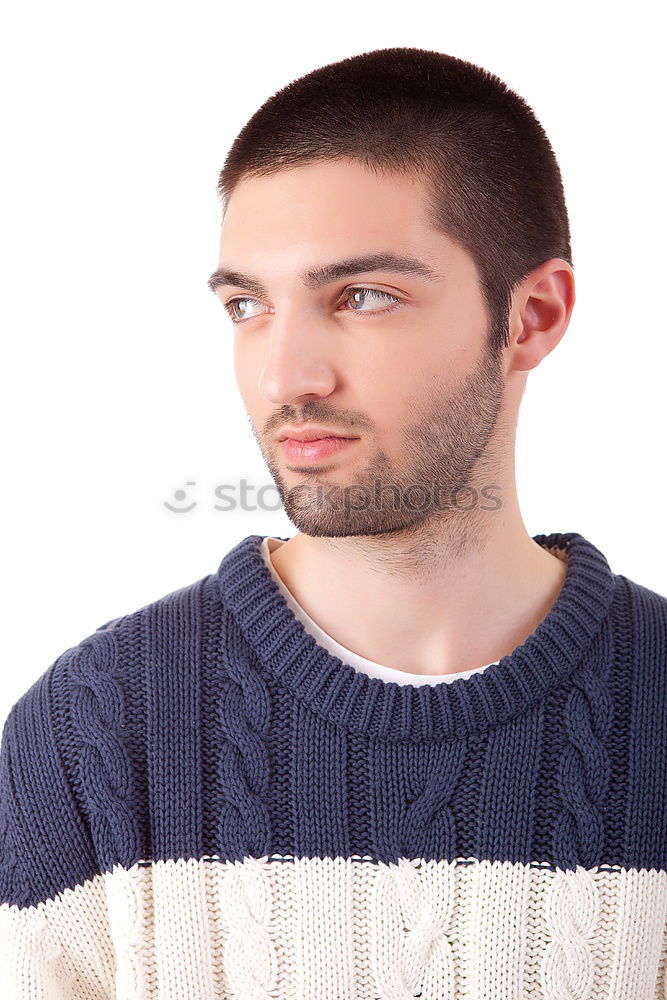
[255, 405]
[249, 363]
[392, 395]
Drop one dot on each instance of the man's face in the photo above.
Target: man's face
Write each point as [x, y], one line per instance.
[403, 364]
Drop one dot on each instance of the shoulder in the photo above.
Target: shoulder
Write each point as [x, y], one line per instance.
[60, 701]
[639, 621]
[73, 746]
[647, 607]
[89, 677]
[101, 651]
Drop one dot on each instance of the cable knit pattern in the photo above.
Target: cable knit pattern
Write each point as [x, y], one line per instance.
[413, 907]
[104, 767]
[199, 800]
[572, 913]
[130, 914]
[584, 771]
[243, 771]
[251, 966]
[572, 905]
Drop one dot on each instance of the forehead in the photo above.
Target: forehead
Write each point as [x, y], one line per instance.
[340, 202]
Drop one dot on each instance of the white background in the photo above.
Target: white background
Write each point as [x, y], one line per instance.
[118, 384]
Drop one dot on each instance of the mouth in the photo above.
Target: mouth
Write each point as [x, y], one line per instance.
[315, 437]
[305, 452]
[312, 434]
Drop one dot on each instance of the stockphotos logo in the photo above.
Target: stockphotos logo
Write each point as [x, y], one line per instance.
[354, 497]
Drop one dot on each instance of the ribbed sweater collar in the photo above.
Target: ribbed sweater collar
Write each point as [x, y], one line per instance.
[387, 711]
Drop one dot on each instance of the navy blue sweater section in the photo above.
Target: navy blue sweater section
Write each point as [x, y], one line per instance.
[210, 724]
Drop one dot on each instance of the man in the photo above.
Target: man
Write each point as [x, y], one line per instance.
[223, 792]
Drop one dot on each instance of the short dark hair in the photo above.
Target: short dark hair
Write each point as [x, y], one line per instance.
[493, 183]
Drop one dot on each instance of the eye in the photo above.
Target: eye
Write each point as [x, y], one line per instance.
[373, 291]
[240, 300]
[232, 303]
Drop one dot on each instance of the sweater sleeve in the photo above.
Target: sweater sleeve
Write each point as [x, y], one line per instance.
[55, 939]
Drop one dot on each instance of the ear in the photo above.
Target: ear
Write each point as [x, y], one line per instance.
[540, 314]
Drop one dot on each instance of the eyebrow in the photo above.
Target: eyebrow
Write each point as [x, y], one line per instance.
[323, 274]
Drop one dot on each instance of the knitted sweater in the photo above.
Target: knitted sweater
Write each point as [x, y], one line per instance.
[200, 801]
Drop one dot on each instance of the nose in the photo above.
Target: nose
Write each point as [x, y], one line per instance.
[298, 363]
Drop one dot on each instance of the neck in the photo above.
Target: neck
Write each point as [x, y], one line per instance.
[443, 597]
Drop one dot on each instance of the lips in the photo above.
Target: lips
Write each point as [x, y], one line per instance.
[305, 452]
[313, 434]
[317, 437]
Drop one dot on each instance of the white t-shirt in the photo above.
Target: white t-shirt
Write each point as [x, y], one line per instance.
[344, 654]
